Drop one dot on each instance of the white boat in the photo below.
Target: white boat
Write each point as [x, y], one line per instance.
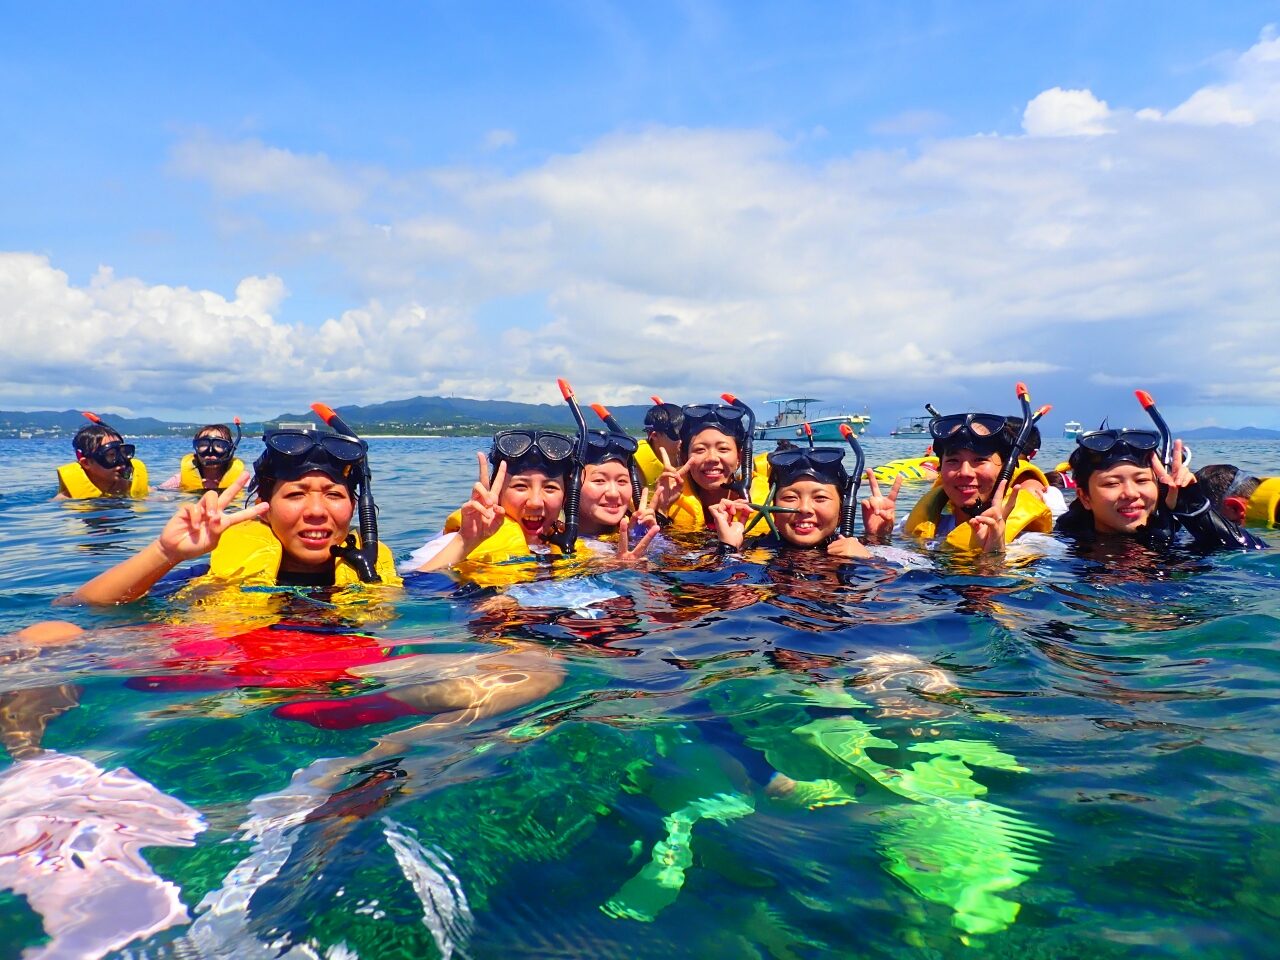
[911, 428]
[793, 413]
[1072, 429]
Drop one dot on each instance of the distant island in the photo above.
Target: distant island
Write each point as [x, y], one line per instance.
[442, 416]
[438, 416]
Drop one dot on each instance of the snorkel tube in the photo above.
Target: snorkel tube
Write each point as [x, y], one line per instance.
[363, 558]
[94, 418]
[1166, 436]
[1019, 443]
[633, 470]
[748, 452]
[569, 538]
[849, 507]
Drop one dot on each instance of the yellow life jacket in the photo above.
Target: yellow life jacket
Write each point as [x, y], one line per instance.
[910, 469]
[507, 543]
[649, 463]
[1264, 505]
[190, 480]
[1026, 470]
[75, 483]
[687, 513]
[249, 555]
[1030, 514]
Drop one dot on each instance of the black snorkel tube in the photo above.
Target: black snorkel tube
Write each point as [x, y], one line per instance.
[610, 421]
[1019, 444]
[567, 541]
[1166, 435]
[849, 506]
[748, 450]
[363, 558]
[94, 418]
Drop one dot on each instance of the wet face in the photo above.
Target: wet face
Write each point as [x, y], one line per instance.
[819, 512]
[1121, 498]
[308, 516]
[715, 459]
[606, 497]
[968, 478]
[534, 500]
[106, 479]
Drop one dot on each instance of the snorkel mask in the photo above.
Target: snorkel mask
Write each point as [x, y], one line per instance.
[541, 450]
[114, 453]
[212, 450]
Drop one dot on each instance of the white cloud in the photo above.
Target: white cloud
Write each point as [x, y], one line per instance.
[123, 341]
[686, 261]
[1066, 113]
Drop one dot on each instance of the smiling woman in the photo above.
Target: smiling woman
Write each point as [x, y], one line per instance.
[305, 482]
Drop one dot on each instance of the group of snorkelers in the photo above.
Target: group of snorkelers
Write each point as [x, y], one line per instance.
[544, 492]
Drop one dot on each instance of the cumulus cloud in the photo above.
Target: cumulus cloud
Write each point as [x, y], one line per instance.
[156, 347]
[686, 261]
[1066, 113]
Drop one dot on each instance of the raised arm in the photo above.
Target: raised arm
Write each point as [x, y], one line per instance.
[191, 532]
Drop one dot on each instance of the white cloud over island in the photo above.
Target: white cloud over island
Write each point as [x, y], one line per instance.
[1106, 240]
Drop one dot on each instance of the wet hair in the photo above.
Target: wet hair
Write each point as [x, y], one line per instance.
[664, 418]
[214, 430]
[1011, 427]
[1084, 464]
[89, 439]
[1220, 480]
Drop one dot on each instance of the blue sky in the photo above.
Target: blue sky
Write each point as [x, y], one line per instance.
[254, 206]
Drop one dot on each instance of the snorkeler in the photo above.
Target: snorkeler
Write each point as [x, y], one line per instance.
[1240, 497]
[662, 435]
[515, 504]
[977, 502]
[810, 488]
[212, 465]
[104, 466]
[1123, 489]
[611, 498]
[306, 483]
[715, 447]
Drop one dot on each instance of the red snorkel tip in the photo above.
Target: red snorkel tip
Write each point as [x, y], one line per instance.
[1145, 399]
[1023, 392]
[566, 391]
[237, 421]
[600, 410]
[846, 431]
[808, 430]
[1042, 411]
[91, 417]
[657, 400]
[324, 412]
[729, 398]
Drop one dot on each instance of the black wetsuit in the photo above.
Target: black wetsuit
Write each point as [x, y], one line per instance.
[1209, 529]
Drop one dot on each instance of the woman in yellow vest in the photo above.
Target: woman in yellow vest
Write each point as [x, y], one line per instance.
[968, 507]
[717, 465]
[104, 466]
[515, 505]
[306, 483]
[212, 465]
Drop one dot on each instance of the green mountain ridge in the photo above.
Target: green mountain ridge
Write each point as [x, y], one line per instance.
[417, 415]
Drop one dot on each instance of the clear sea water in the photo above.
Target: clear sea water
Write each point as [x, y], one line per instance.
[1062, 756]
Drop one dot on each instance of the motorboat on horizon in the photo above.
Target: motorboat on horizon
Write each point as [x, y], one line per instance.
[793, 413]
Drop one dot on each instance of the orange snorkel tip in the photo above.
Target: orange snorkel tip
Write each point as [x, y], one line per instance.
[1023, 392]
[91, 417]
[566, 391]
[657, 400]
[600, 410]
[729, 398]
[1145, 399]
[324, 412]
[846, 431]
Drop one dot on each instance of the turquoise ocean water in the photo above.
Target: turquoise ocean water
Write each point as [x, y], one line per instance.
[1062, 756]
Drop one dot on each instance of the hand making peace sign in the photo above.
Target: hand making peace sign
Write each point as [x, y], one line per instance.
[197, 527]
[878, 510]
